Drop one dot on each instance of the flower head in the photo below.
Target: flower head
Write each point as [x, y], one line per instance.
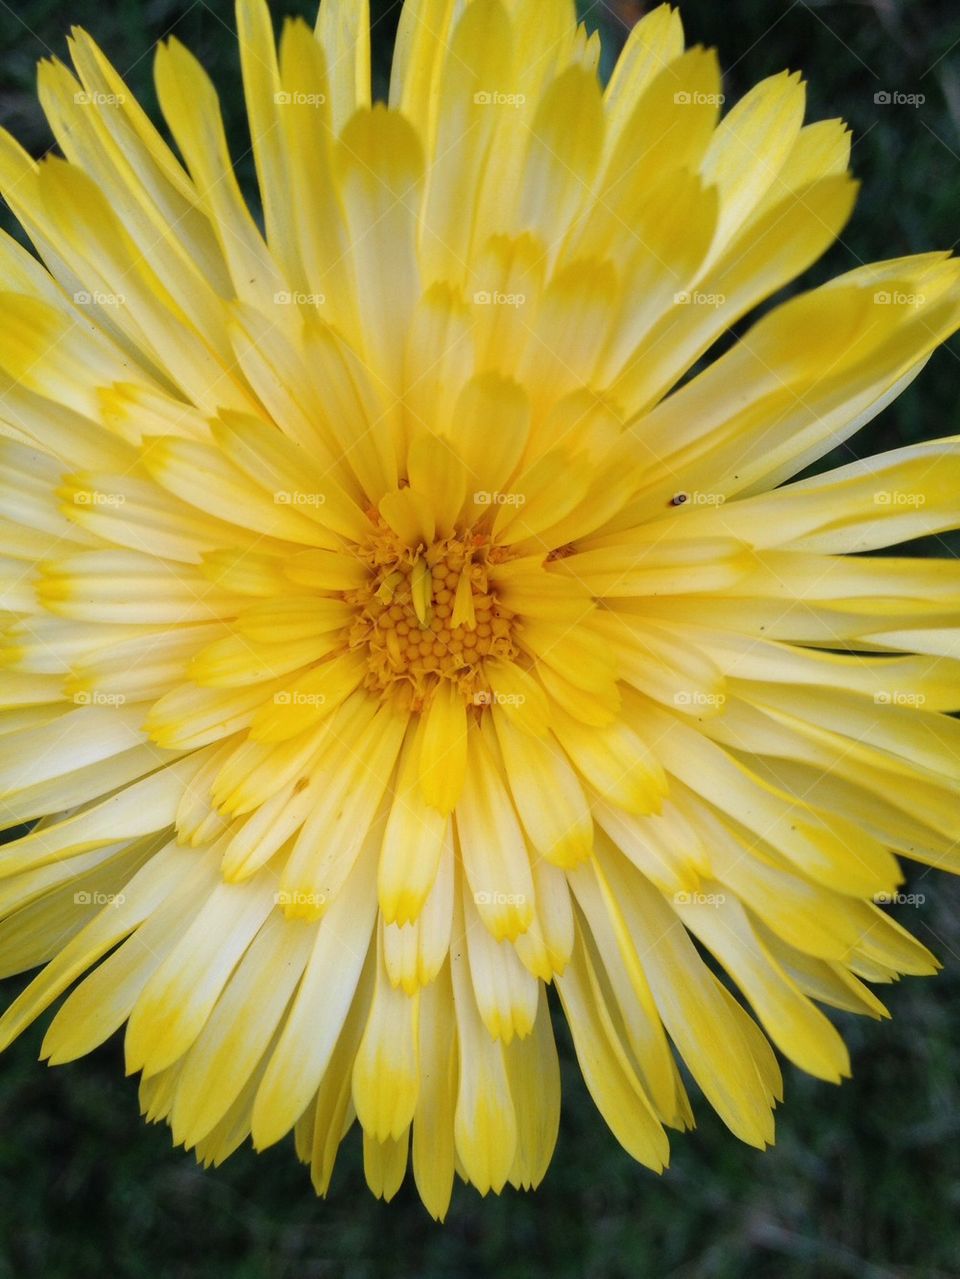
[394, 633]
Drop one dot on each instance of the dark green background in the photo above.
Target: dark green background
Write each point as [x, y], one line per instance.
[865, 1180]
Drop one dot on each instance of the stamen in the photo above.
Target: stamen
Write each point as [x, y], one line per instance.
[429, 614]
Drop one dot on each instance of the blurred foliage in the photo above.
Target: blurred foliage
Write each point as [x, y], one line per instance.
[865, 1180]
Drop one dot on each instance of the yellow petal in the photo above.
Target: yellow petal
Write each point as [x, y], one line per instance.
[386, 1070]
[443, 748]
[343, 28]
[495, 857]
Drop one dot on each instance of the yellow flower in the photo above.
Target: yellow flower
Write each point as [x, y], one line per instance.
[387, 640]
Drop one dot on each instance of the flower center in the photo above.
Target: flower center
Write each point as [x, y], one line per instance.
[428, 613]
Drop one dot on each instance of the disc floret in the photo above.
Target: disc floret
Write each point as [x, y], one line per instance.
[429, 613]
